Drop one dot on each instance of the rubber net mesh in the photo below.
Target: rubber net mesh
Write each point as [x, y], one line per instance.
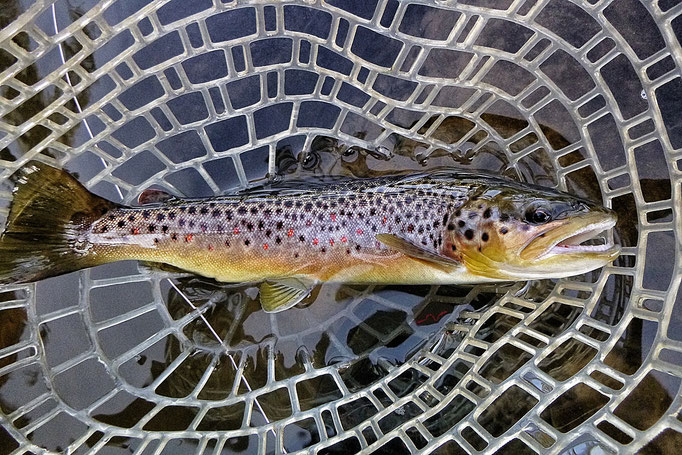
[207, 97]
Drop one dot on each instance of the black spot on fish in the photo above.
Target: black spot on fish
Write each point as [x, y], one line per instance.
[192, 210]
[487, 213]
[247, 242]
[267, 212]
[461, 223]
[469, 234]
[278, 240]
[420, 230]
[152, 228]
[254, 210]
[484, 237]
[121, 223]
[160, 217]
[453, 247]
[191, 224]
[299, 204]
[288, 204]
[164, 229]
[504, 217]
[308, 206]
[397, 219]
[131, 218]
[112, 217]
[249, 226]
[458, 212]
[181, 222]
[174, 236]
[357, 247]
[445, 219]
[204, 210]
[227, 243]
[216, 213]
[156, 240]
[261, 225]
[435, 244]
[503, 230]
[280, 225]
[241, 210]
[104, 229]
[171, 216]
[301, 238]
[451, 227]
[324, 250]
[182, 209]
[268, 233]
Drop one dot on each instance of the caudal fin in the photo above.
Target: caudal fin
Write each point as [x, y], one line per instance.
[48, 211]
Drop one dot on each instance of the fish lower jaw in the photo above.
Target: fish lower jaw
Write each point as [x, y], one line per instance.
[567, 248]
[575, 242]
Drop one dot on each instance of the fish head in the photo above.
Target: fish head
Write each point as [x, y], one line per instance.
[522, 233]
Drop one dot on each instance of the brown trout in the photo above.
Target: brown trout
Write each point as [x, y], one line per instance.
[445, 227]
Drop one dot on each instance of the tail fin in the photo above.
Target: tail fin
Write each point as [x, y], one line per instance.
[49, 210]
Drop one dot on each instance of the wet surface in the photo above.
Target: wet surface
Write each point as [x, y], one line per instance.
[141, 336]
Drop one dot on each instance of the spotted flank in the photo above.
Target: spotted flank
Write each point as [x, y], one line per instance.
[446, 227]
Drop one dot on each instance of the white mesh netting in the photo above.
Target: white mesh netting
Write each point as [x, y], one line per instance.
[204, 97]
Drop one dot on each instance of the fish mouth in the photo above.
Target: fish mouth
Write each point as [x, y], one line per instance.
[578, 235]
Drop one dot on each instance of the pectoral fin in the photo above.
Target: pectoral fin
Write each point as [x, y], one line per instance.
[280, 295]
[410, 249]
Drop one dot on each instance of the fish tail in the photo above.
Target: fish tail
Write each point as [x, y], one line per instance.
[49, 211]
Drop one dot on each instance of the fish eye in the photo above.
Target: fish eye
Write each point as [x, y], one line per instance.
[538, 215]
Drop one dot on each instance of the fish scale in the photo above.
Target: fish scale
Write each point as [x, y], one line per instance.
[445, 227]
[334, 226]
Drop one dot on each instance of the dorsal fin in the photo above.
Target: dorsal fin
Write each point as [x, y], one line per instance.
[410, 249]
[153, 196]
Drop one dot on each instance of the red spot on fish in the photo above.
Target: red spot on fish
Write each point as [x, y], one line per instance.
[344, 239]
[210, 248]
[359, 231]
[236, 230]
[333, 216]
[410, 228]
[384, 220]
[188, 238]
[308, 223]
[265, 246]
[315, 241]
[134, 231]
[331, 242]
[290, 233]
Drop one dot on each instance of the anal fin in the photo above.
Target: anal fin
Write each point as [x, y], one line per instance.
[280, 295]
[410, 249]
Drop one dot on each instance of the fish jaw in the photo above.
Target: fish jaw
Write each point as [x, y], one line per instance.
[566, 237]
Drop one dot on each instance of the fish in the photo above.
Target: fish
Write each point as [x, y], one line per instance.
[446, 226]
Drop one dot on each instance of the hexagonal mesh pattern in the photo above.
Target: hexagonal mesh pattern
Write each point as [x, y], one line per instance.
[204, 97]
